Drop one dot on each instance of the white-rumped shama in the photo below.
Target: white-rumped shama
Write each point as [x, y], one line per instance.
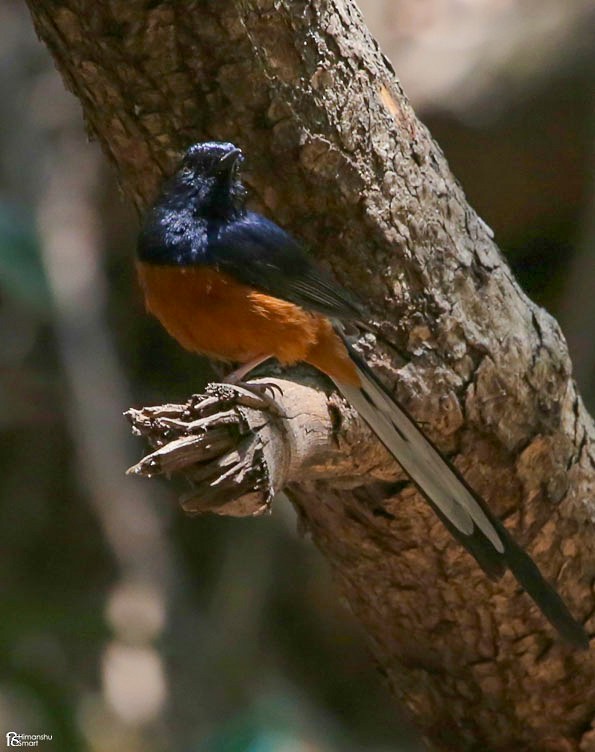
[231, 284]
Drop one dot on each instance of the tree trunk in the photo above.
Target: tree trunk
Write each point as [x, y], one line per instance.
[336, 155]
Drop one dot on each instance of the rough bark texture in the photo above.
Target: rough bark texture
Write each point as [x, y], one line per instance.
[337, 156]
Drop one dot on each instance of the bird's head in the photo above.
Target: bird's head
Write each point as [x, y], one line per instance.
[209, 172]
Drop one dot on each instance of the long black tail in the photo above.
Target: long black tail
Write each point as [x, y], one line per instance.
[463, 512]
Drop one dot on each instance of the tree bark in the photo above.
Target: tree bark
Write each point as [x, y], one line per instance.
[336, 155]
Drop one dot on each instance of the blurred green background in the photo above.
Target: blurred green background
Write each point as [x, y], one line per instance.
[123, 624]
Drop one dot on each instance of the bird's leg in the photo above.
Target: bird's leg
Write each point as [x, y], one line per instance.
[238, 376]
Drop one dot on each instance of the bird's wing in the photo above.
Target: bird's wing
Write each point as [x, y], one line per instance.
[258, 253]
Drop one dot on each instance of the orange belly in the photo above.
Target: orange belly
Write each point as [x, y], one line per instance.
[210, 313]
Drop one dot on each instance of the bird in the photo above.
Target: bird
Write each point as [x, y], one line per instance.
[231, 284]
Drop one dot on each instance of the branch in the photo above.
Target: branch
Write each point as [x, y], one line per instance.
[337, 156]
[237, 450]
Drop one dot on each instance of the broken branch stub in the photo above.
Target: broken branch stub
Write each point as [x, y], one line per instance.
[238, 450]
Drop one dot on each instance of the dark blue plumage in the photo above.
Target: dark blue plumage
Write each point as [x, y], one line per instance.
[204, 221]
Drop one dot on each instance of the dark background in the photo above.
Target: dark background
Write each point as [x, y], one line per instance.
[123, 624]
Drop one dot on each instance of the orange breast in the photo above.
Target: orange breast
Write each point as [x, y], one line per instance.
[211, 313]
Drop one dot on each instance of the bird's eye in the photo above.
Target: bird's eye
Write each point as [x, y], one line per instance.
[186, 171]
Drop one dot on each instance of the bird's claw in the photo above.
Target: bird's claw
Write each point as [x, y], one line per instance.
[260, 388]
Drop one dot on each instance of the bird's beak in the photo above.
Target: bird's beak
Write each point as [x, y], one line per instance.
[228, 160]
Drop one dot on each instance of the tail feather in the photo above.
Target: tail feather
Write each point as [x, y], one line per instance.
[463, 512]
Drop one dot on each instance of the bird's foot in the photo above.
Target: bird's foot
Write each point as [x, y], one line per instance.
[260, 389]
[257, 388]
